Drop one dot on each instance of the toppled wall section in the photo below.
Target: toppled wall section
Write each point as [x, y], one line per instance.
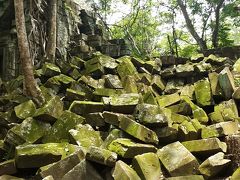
[79, 32]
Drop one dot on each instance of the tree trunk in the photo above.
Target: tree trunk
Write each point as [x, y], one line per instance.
[217, 24]
[31, 86]
[52, 35]
[191, 29]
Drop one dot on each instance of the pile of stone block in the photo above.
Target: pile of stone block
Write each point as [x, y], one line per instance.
[105, 118]
[94, 36]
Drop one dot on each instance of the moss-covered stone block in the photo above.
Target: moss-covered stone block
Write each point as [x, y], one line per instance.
[187, 131]
[86, 136]
[213, 165]
[112, 81]
[151, 115]
[51, 111]
[85, 107]
[178, 160]
[50, 70]
[59, 131]
[25, 110]
[123, 171]
[101, 156]
[60, 168]
[130, 84]
[220, 129]
[205, 147]
[8, 167]
[126, 148]
[137, 130]
[83, 170]
[167, 134]
[226, 82]
[203, 92]
[38, 155]
[125, 103]
[157, 83]
[72, 95]
[95, 119]
[190, 177]
[147, 166]
[168, 100]
[126, 68]
[28, 132]
[185, 70]
[188, 91]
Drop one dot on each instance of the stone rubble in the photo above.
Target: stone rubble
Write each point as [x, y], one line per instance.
[126, 118]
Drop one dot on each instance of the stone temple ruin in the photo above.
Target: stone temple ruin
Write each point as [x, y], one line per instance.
[110, 116]
[80, 31]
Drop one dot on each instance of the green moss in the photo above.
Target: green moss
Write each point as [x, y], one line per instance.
[25, 110]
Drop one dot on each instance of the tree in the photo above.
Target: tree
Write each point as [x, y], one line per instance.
[191, 28]
[52, 35]
[30, 84]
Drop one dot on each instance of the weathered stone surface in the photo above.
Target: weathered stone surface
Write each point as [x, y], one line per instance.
[113, 135]
[225, 111]
[226, 82]
[215, 86]
[150, 115]
[167, 134]
[95, 119]
[147, 166]
[236, 94]
[113, 81]
[130, 84]
[8, 167]
[29, 131]
[59, 131]
[215, 60]
[178, 160]
[85, 107]
[205, 147]
[60, 168]
[7, 177]
[38, 155]
[125, 103]
[25, 110]
[203, 92]
[190, 177]
[123, 171]
[126, 67]
[188, 91]
[174, 85]
[86, 136]
[236, 175]
[168, 100]
[75, 95]
[137, 130]
[198, 113]
[181, 108]
[184, 70]
[220, 129]
[50, 111]
[126, 148]
[83, 170]
[214, 164]
[102, 156]
[105, 92]
[178, 118]
[202, 67]
[186, 131]
[50, 70]
[91, 83]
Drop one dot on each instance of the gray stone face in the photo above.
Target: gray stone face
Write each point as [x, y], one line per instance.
[214, 164]
[83, 170]
[123, 172]
[8, 167]
[205, 146]
[101, 156]
[226, 82]
[126, 148]
[147, 166]
[85, 136]
[59, 169]
[220, 129]
[178, 160]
